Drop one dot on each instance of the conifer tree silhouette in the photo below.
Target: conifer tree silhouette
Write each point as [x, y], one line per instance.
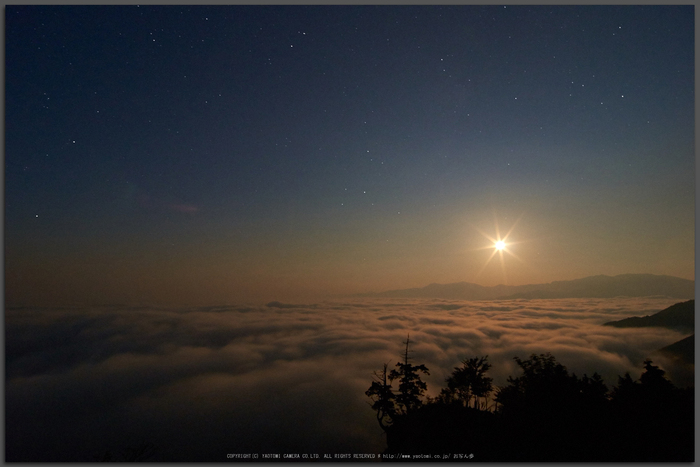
[411, 387]
[383, 397]
[593, 390]
[654, 381]
[626, 390]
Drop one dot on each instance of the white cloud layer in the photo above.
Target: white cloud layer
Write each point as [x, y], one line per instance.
[204, 382]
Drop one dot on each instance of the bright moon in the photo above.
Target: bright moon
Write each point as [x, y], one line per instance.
[500, 245]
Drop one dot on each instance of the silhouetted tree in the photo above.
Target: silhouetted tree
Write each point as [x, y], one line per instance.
[626, 390]
[654, 382]
[658, 417]
[468, 381]
[593, 390]
[652, 386]
[544, 384]
[383, 398]
[545, 414]
[411, 387]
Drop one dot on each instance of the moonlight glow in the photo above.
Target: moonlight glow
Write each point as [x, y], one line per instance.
[499, 245]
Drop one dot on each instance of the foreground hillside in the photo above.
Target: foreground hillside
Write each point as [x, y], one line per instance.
[680, 316]
[683, 350]
[545, 414]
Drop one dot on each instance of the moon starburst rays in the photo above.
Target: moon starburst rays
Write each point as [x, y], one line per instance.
[499, 245]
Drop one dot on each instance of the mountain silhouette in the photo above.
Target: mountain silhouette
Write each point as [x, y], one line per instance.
[683, 350]
[680, 316]
[631, 285]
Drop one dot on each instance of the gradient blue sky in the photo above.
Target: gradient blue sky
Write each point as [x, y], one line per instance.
[222, 154]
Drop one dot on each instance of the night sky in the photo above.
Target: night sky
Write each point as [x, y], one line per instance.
[228, 154]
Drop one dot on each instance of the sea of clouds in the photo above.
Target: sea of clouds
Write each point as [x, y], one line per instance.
[201, 383]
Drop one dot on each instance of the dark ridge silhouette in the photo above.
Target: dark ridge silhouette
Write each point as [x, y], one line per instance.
[680, 316]
[631, 285]
[683, 350]
[544, 415]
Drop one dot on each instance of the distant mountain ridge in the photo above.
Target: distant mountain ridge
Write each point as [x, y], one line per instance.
[631, 285]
